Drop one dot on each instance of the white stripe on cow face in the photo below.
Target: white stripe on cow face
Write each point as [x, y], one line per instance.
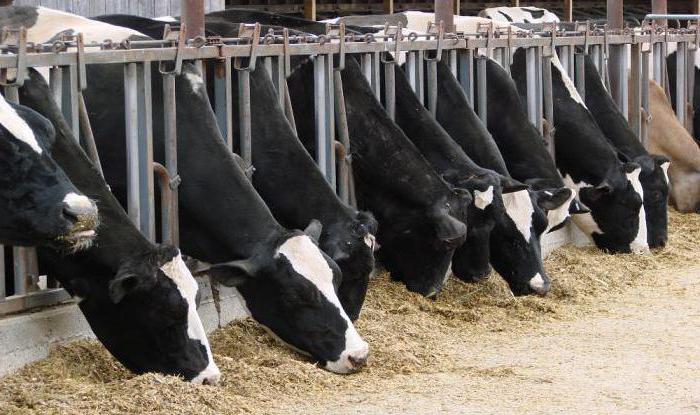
[583, 221]
[557, 216]
[483, 199]
[519, 208]
[178, 272]
[664, 166]
[639, 245]
[17, 126]
[306, 259]
[568, 83]
[51, 22]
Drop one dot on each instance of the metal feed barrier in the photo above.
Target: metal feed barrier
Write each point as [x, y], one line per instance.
[465, 53]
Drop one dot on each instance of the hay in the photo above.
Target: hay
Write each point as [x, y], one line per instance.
[407, 333]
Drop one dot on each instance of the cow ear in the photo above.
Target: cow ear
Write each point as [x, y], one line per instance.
[127, 282]
[659, 160]
[623, 157]
[450, 230]
[314, 230]
[577, 208]
[550, 200]
[230, 274]
[463, 194]
[599, 191]
[510, 185]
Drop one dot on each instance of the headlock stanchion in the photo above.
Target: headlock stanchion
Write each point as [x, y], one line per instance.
[67, 57]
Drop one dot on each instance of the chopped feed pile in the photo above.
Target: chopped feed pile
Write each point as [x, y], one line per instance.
[407, 334]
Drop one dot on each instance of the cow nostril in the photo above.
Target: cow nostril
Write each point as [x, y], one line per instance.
[358, 362]
[70, 214]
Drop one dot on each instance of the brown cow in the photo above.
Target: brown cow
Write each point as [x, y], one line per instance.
[668, 137]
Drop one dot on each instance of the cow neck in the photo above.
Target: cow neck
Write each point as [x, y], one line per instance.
[462, 124]
[214, 188]
[521, 145]
[608, 116]
[116, 235]
[286, 175]
[423, 130]
[382, 155]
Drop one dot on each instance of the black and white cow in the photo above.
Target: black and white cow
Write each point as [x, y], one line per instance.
[139, 298]
[421, 219]
[654, 167]
[38, 204]
[504, 223]
[519, 15]
[521, 145]
[608, 187]
[287, 282]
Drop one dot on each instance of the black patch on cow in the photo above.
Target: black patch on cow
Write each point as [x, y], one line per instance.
[510, 19]
[536, 13]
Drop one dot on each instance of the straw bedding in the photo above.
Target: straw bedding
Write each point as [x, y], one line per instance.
[407, 334]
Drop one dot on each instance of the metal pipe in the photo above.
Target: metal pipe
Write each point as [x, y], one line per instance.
[681, 88]
[167, 219]
[88, 136]
[288, 110]
[645, 98]
[145, 134]
[411, 70]
[481, 87]
[223, 100]
[390, 90]
[170, 132]
[344, 137]
[635, 110]
[131, 116]
[548, 105]
[580, 74]
[420, 83]
[192, 15]
[531, 86]
[330, 121]
[56, 84]
[432, 87]
[69, 104]
[376, 77]
[444, 12]
[244, 120]
[466, 74]
[320, 113]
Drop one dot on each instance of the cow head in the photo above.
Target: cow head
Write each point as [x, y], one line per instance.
[39, 204]
[470, 261]
[351, 244]
[290, 287]
[655, 184]
[515, 242]
[617, 221]
[417, 243]
[146, 316]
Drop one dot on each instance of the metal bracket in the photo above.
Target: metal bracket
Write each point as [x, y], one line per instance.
[285, 49]
[16, 38]
[548, 51]
[438, 31]
[395, 32]
[176, 37]
[338, 30]
[487, 30]
[80, 61]
[250, 32]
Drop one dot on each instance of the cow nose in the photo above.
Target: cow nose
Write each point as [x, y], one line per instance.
[358, 361]
[209, 376]
[539, 284]
[77, 207]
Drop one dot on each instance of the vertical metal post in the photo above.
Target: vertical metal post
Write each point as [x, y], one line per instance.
[244, 121]
[390, 90]
[634, 115]
[223, 99]
[531, 86]
[145, 151]
[681, 88]
[453, 62]
[645, 97]
[320, 113]
[432, 86]
[343, 136]
[278, 78]
[481, 88]
[659, 60]
[69, 104]
[366, 61]
[580, 74]
[538, 86]
[420, 80]
[595, 53]
[411, 70]
[466, 74]
[56, 84]
[548, 105]
[444, 11]
[132, 142]
[171, 234]
[193, 17]
[330, 121]
[288, 110]
[376, 77]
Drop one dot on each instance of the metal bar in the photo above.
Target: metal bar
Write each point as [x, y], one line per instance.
[367, 67]
[634, 115]
[411, 70]
[193, 17]
[531, 86]
[453, 62]
[56, 84]
[166, 202]
[432, 86]
[538, 86]
[170, 133]
[131, 116]
[376, 77]
[278, 77]
[145, 143]
[658, 57]
[88, 137]
[594, 51]
[320, 113]
[481, 88]
[681, 88]
[580, 74]
[444, 11]
[288, 110]
[244, 119]
[645, 98]
[466, 74]
[420, 83]
[330, 121]
[690, 85]
[548, 105]
[223, 100]
[343, 137]
[33, 300]
[69, 104]
[390, 90]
